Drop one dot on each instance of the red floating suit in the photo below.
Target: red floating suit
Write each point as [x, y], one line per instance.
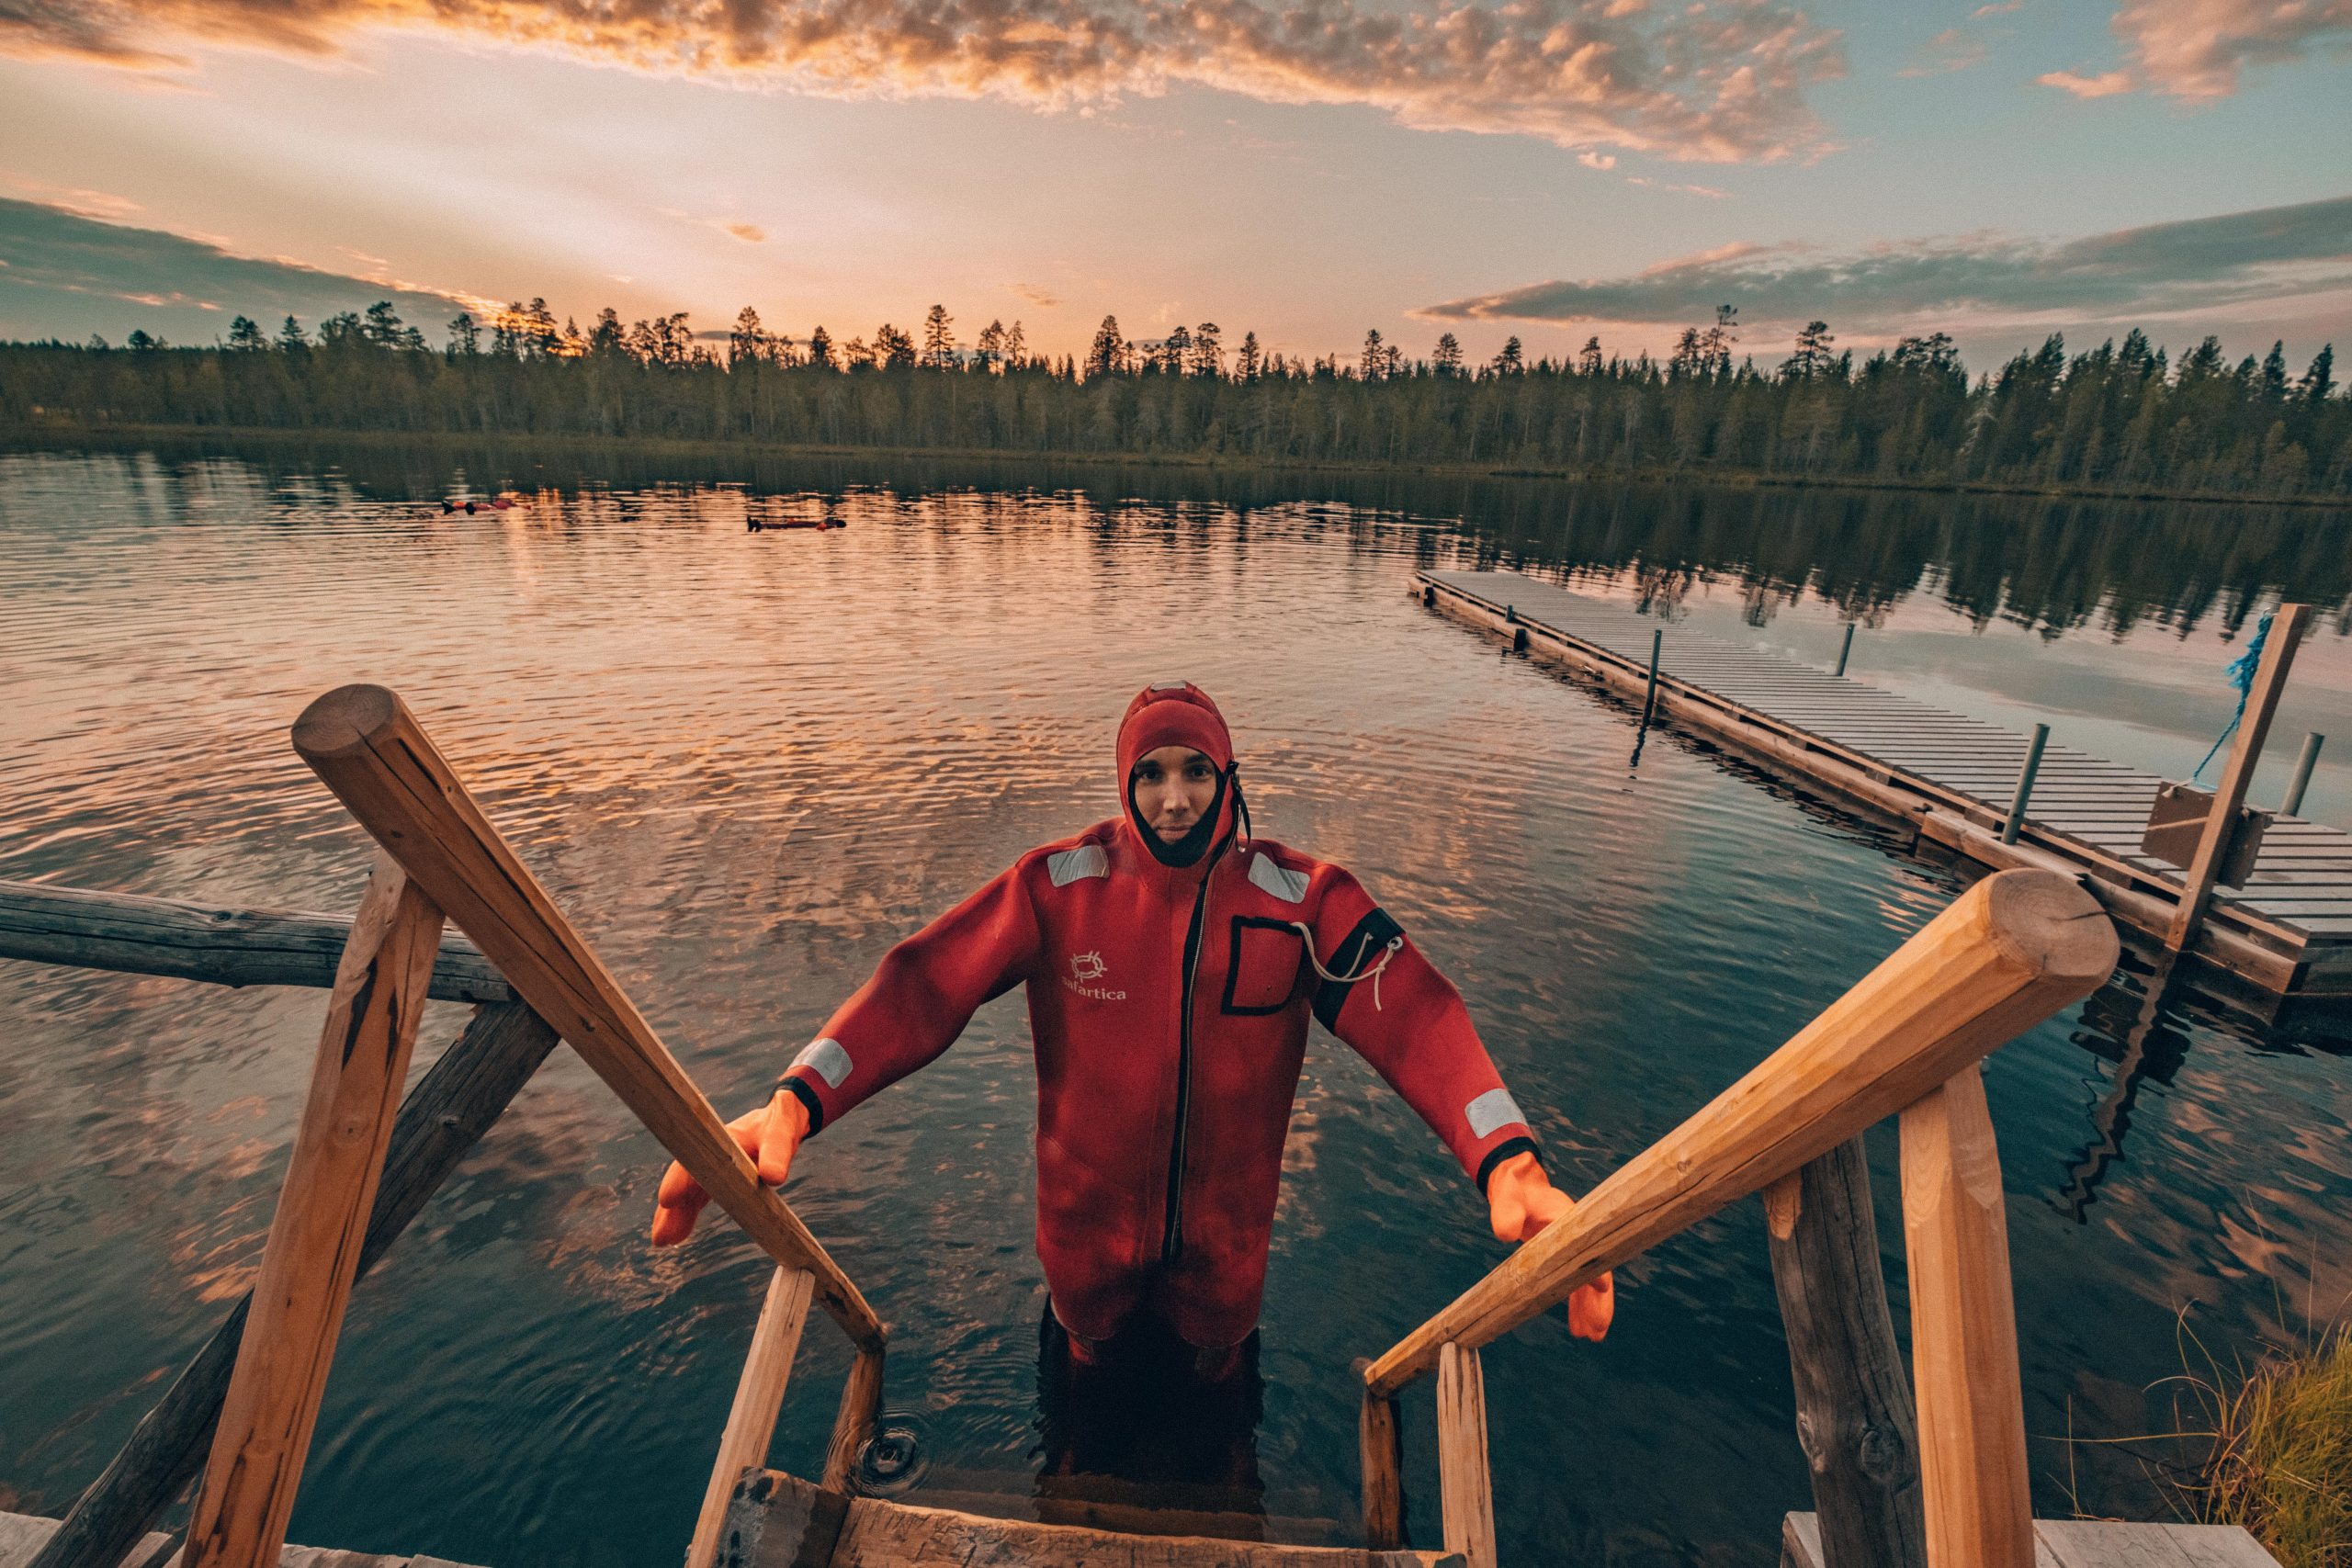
[1169, 1004]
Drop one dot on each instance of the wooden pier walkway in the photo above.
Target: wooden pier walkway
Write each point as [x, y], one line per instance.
[2289, 930]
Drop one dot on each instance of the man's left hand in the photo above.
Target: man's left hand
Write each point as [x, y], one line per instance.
[1521, 1200]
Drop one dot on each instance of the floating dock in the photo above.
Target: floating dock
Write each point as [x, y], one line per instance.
[1949, 778]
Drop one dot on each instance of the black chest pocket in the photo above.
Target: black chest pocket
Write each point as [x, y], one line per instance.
[1263, 966]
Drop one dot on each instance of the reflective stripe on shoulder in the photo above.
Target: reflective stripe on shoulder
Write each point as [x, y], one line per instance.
[1490, 1110]
[1067, 866]
[827, 1060]
[1290, 887]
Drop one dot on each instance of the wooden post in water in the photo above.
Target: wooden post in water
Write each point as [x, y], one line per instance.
[372, 752]
[1465, 1488]
[2016, 818]
[1649, 693]
[1845, 648]
[2300, 780]
[759, 1395]
[1381, 1448]
[853, 1423]
[2287, 626]
[315, 1236]
[1964, 1334]
[1853, 1399]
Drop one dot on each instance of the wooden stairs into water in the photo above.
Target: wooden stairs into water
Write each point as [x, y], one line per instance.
[2288, 931]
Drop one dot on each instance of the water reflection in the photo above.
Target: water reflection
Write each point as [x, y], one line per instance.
[747, 762]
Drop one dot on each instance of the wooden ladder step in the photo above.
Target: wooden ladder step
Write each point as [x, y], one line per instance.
[780, 1521]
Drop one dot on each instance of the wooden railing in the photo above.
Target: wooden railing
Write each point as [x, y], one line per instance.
[2009, 952]
[245, 1408]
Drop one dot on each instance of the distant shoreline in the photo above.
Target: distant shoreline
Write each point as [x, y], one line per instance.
[48, 438]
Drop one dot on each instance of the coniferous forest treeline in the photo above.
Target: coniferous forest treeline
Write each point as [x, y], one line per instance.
[2119, 417]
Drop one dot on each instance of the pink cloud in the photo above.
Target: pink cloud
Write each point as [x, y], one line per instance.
[1717, 80]
[2195, 49]
[2105, 86]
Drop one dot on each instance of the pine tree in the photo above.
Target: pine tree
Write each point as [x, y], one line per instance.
[1446, 358]
[1107, 355]
[291, 338]
[1208, 355]
[1589, 357]
[821, 349]
[245, 335]
[938, 339]
[1248, 362]
[1512, 360]
[465, 338]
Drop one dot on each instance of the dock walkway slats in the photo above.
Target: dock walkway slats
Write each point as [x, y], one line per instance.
[2086, 809]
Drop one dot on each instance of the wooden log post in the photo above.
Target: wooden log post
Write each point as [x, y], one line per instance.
[1465, 1487]
[1379, 1445]
[451, 1107]
[135, 936]
[1853, 1400]
[315, 1236]
[759, 1397]
[1964, 1334]
[861, 1411]
[2287, 627]
[2009, 953]
[371, 751]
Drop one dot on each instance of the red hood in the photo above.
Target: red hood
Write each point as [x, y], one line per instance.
[1175, 713]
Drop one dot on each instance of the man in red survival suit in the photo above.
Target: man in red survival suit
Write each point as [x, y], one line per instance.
[1172, 963]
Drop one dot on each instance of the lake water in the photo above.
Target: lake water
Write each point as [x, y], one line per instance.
[748, 762]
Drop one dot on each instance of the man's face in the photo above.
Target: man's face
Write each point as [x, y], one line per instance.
[1174, 785]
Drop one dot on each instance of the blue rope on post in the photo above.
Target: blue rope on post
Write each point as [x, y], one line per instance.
[2241, 675]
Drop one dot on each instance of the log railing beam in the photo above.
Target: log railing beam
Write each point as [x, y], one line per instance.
[135, 936]
[2007, 953]
[372, 752]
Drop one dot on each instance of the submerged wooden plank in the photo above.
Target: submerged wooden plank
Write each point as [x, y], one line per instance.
[23, 1535]
[2086, 1543]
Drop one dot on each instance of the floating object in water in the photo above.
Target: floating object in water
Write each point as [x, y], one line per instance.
[759, 524]
[472, 508]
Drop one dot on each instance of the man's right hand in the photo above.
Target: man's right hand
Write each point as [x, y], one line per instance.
[771, 1135]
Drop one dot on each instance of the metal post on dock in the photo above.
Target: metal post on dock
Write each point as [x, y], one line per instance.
[2300, 779]
[1845, 648]
[2025, 784]
[1649, 696]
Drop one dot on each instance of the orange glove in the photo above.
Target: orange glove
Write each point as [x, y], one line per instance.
[1521, 1200]
[771, 1135]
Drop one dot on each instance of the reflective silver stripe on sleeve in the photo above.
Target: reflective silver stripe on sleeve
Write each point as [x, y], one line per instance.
[827, 1060]
[1492, 1109]
[1170, 685]
[1069, 865]
[1290, 887]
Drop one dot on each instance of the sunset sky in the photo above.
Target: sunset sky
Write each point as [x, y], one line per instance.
[1304, 168]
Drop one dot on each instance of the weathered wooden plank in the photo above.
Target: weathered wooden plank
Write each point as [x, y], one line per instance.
[1853, 1401]
[318, 1228]
[23, 1535]
[2245, 754]
[759, 1397]
[1465, 1488]
[1963, 1333]
[371, 751]
[128, 933]
[2086, 1543]
[447, 1112]
[2009, 953]
[1381, 1450]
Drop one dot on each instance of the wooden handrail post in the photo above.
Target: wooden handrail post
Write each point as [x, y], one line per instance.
[2009, 953]
[1853, 1400]
[1964, 1334]
[759, 1396]
[1465, 1487]
[2287, 626]
[853, 1423]
[316, 1233]
[451, 1107]
[371, 751]
[1380, 1448]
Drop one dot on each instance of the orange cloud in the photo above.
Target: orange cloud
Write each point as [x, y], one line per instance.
[1720, 80]
[2195, 49]
[2105, 86]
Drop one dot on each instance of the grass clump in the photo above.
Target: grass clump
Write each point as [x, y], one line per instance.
[2282, 1460]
